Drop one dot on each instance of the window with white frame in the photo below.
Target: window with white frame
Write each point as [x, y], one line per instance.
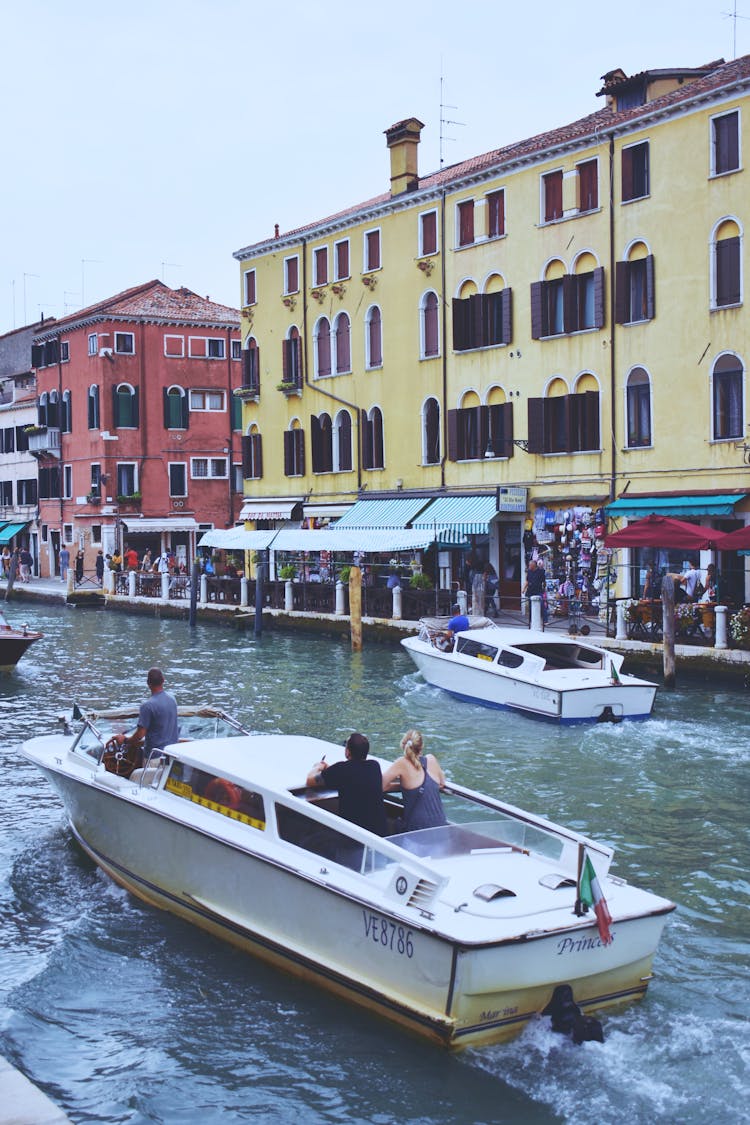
[638, 409]
[124, 343]
[127, 478]
[465, 223]
[431, 432]
[93, 344]
[728, 407]
[68, 533]
[342, 442]
[496, 214]
[208, 468]
[207, 400]
[725, 143]
[372, 439]
[552, 196]
[125, 406]
[635, 172]
[236, 346]
[249, 287]
[726, 254]
[373, 338]
[93, 406]
[341, 260]
[64, 351]
[177, 479]
[320, 266]
[342, 343]
[322, 347]
[371, 256]
[206, 347]
[174, 346]
[291, 274]
[428, 239]
[429, 326]
[67, 482]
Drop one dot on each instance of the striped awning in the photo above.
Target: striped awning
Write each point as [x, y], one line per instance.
[454, 518]
[278, 509]
[11, 529]
[367, 540]
[237, 539]
[707, 504]
[397, 512]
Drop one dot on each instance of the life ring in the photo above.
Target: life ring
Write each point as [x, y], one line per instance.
[224, 792]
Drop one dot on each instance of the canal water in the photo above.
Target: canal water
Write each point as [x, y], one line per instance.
[124, 1014]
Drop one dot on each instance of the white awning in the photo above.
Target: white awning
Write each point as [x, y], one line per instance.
[150, 525]
[269, 509]
[323, 511]
[237, 539]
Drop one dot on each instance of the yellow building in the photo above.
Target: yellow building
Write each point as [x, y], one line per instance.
[519, 341]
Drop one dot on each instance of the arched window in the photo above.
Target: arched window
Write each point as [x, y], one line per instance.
[638, 408]
[125, 406]
[728, 407]
[93, 407]
[322, 346]
[431, 432]
[66, 414]
[292, 357]
[373, 338]
[321, 443]
[42, 410]
[294, 450]
[634, 286]
[252, 454]
[251, 366]
[53, 409]
[726, 273]
[372, 439]
[176, 414]
[342, 442]
[429, 326]
[342, 342]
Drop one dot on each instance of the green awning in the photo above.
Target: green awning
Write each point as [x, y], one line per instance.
[453, 518]
[11, 529]
[715, 504]
[395, 513]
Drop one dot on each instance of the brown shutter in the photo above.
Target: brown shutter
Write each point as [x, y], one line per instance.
[452, 419]
[627, 173]
[288, 452]
[506, 313]
[571, 319]
[246, 446]
[505, 446]
[316, 444]
[460, 325]
[650, 289]
[599, 291]
[535, 409]
[537, 293]
[366, 440]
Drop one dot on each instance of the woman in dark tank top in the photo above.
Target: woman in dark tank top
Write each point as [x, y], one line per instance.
[420, 779]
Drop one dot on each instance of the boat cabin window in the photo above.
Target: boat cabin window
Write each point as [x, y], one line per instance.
[296, 828]
[216, 793]
[510, 659]
[468, 647]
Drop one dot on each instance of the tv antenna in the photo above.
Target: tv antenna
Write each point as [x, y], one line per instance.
[445, 121]
[734, 15]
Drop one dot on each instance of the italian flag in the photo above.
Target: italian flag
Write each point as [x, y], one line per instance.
[591, 894]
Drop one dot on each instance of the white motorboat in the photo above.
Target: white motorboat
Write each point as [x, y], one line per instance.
[461, 933]
[546, 675]
[13, 643]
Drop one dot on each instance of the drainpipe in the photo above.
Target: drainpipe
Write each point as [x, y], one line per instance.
[318, 388]
[444, 332]
[612, 372]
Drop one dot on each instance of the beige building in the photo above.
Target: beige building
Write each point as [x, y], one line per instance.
[519, 341]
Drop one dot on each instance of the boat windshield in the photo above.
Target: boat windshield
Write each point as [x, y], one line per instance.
[203, 722]
[480, 837]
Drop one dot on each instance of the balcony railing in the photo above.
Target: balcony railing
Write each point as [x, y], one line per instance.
[44, 439]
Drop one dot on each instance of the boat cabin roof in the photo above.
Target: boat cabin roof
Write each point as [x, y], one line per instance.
[274, 761]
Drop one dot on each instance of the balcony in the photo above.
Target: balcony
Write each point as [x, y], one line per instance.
[44, 441]
[290, 388]
[249, 393]
[129, 502]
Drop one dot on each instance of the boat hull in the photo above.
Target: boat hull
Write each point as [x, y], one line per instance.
[295, 918]
[12, 647]
[597, 700]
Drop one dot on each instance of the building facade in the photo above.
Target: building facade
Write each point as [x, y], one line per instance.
[18, 468]
[551, 335]
[137, 428]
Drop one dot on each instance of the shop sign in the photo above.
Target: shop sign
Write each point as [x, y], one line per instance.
[512, 499]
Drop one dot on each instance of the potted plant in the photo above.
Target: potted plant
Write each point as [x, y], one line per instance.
[739, 627]
[420, 581]
[287, 572]
[344, 575]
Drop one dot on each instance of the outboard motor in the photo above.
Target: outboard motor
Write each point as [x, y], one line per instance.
[608, 716]
[568, 1019]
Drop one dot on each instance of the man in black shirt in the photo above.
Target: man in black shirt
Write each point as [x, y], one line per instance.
[359, 782]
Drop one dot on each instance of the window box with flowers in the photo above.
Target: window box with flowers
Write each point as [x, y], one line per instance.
[289, 388]
[132, 499]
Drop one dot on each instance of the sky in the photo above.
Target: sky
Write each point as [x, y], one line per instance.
[153, 139]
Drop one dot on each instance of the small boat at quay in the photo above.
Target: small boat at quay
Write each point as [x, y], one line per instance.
[545, 675]
[461, 933]
[14, 642]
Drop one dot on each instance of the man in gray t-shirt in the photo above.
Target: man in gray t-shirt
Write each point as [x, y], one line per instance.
[157, 717]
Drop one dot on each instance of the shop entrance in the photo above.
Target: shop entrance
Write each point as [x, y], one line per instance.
[509, 571]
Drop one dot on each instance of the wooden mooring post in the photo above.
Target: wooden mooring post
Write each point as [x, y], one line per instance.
[667, 624]
[355, 608]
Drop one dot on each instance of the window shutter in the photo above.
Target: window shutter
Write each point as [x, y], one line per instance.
[622, 292]
[504, 441]
[165, 405]
[728, 271]
[536, 425]
[316, 444]
[460, 325]
[136, 421]
[506, 314]
[590, 420]
[345, 442]
[366, 440]
[299, 449]
[246, 446]
[257, 440]
[37, 355]
[599, 297]
[288, 452]
[651, 289]
[627, 174]
[570, 303]
[452, 419]
[537, 292]
[115, 407]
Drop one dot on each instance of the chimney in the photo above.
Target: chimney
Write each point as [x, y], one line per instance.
[402, 139]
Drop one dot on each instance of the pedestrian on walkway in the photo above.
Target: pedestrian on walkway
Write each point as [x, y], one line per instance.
[64, 562]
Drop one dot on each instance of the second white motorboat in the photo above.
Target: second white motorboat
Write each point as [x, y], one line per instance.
[546, 675]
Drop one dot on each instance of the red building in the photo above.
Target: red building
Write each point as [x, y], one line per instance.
[138, 435]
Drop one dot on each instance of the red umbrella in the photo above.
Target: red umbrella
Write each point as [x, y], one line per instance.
[662, 531]
[738, 540]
